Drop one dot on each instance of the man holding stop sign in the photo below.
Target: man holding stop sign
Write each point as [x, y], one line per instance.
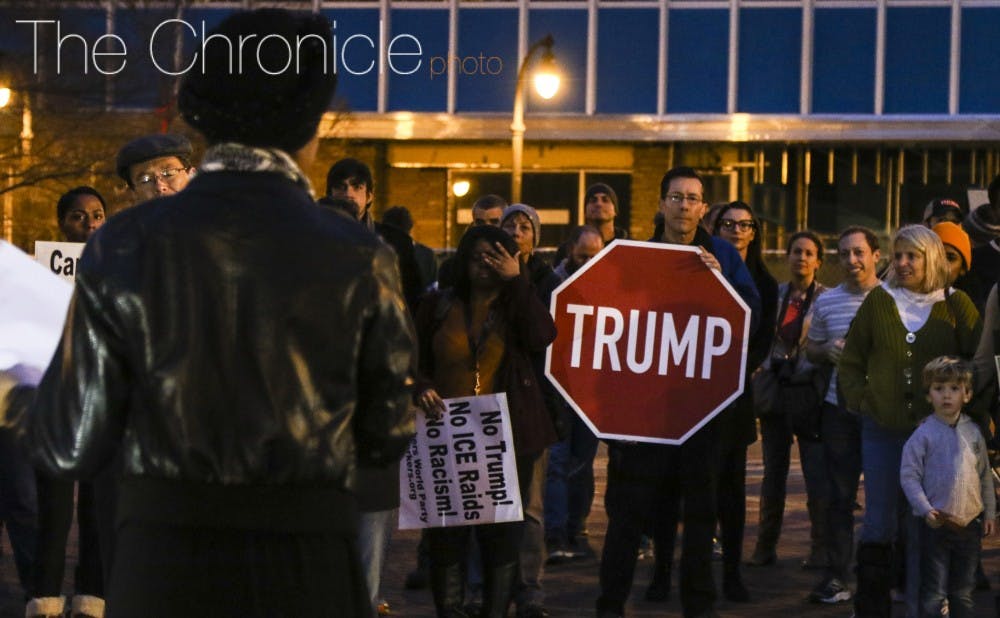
[646, 480]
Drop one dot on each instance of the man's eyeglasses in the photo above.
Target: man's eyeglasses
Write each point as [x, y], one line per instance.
[744, 226]
[164, 174]
[677, 198]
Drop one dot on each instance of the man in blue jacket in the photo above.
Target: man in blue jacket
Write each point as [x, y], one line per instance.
[646, 480]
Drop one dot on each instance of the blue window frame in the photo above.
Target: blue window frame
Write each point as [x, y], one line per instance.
[844, 61]
[626, 64]
[568, 28]
[979, 77]
[917, 53]
[770, 64]
[487, 60]
[356, 43]
[423, 87]
[697, 61]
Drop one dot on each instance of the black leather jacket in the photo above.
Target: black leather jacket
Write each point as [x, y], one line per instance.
[235, 334]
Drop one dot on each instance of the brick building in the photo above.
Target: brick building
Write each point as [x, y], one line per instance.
[820, 113]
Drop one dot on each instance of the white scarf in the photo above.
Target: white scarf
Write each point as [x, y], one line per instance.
[914, 307]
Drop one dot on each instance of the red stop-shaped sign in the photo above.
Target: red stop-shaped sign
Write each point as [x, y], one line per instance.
[652, 343]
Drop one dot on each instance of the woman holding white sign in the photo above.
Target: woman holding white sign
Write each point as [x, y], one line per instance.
[478, 337]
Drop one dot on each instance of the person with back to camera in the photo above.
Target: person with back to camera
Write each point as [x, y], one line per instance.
[909, 319]
[243, 349]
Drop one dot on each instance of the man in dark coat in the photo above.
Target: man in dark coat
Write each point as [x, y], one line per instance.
[644, 479]
[244, 350]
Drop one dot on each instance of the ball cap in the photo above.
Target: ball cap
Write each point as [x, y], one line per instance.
[152, 147]
[943, 208]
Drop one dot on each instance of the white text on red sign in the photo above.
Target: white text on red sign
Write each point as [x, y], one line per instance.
[662, 342]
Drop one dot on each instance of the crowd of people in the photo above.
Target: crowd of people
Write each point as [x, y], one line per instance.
[226, 414]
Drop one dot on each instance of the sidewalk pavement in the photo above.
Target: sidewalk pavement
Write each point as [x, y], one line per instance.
[571, 589]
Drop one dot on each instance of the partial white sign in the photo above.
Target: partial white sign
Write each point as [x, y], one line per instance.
[460, 470]
[33, 305]
[61, 258]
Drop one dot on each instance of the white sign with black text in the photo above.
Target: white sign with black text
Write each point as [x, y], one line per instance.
[61, 258]
[32, 310]
[460, 469]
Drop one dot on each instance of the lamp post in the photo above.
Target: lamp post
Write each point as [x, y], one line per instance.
[26, 135]
[546, 84]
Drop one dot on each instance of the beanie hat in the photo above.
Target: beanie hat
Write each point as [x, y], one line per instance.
[942, 208]
[600, 187]
[982, 225]
[262, 104]
[151, 147]
[528, 212]
[953, 234]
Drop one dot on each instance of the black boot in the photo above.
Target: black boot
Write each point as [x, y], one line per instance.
[498, 588]
[732, 584]
[659, 586]
[448, 588]
[875, 577]
[418, 578]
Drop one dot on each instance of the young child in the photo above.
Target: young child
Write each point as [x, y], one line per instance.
[947, 480]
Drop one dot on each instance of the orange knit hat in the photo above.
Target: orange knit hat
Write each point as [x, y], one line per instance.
[953, 234]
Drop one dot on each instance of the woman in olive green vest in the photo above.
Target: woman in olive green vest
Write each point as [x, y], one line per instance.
[908, 320]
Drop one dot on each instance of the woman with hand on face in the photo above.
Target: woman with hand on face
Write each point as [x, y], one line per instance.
[804, 254]
[908, 320]
[475, 338]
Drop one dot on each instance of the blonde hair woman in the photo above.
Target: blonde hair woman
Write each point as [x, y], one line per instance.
[910, 319]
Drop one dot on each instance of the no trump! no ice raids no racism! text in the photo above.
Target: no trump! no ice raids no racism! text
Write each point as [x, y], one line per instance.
[357, 54]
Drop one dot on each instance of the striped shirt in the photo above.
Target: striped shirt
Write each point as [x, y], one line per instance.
[832, 313]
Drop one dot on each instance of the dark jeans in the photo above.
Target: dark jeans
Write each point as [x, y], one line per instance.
[18, 505]
[948, 569]
[888, 518]
[645, 482]
[55, 518]
[569, 483]
[166, 570]
[732, 503]
[776, 442]
[528, 589]
[841, 438]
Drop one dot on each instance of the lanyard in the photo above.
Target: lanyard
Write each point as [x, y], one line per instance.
[476, 345]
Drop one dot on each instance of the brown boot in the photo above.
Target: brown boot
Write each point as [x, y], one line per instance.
[87, 606]
[45, 607]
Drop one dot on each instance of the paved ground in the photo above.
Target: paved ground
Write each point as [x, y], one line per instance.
[777, 591]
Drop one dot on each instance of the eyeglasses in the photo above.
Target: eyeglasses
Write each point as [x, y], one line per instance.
[677, 198]
[745, 226]
[164, 175]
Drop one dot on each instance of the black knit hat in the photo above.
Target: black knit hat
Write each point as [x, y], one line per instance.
[253, 106]
[150, 147]
[600, 187]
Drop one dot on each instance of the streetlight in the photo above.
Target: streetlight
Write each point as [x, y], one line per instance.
[7, 222]
[546, 84]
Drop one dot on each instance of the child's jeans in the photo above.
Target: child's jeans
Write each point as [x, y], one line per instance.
[948, 568]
